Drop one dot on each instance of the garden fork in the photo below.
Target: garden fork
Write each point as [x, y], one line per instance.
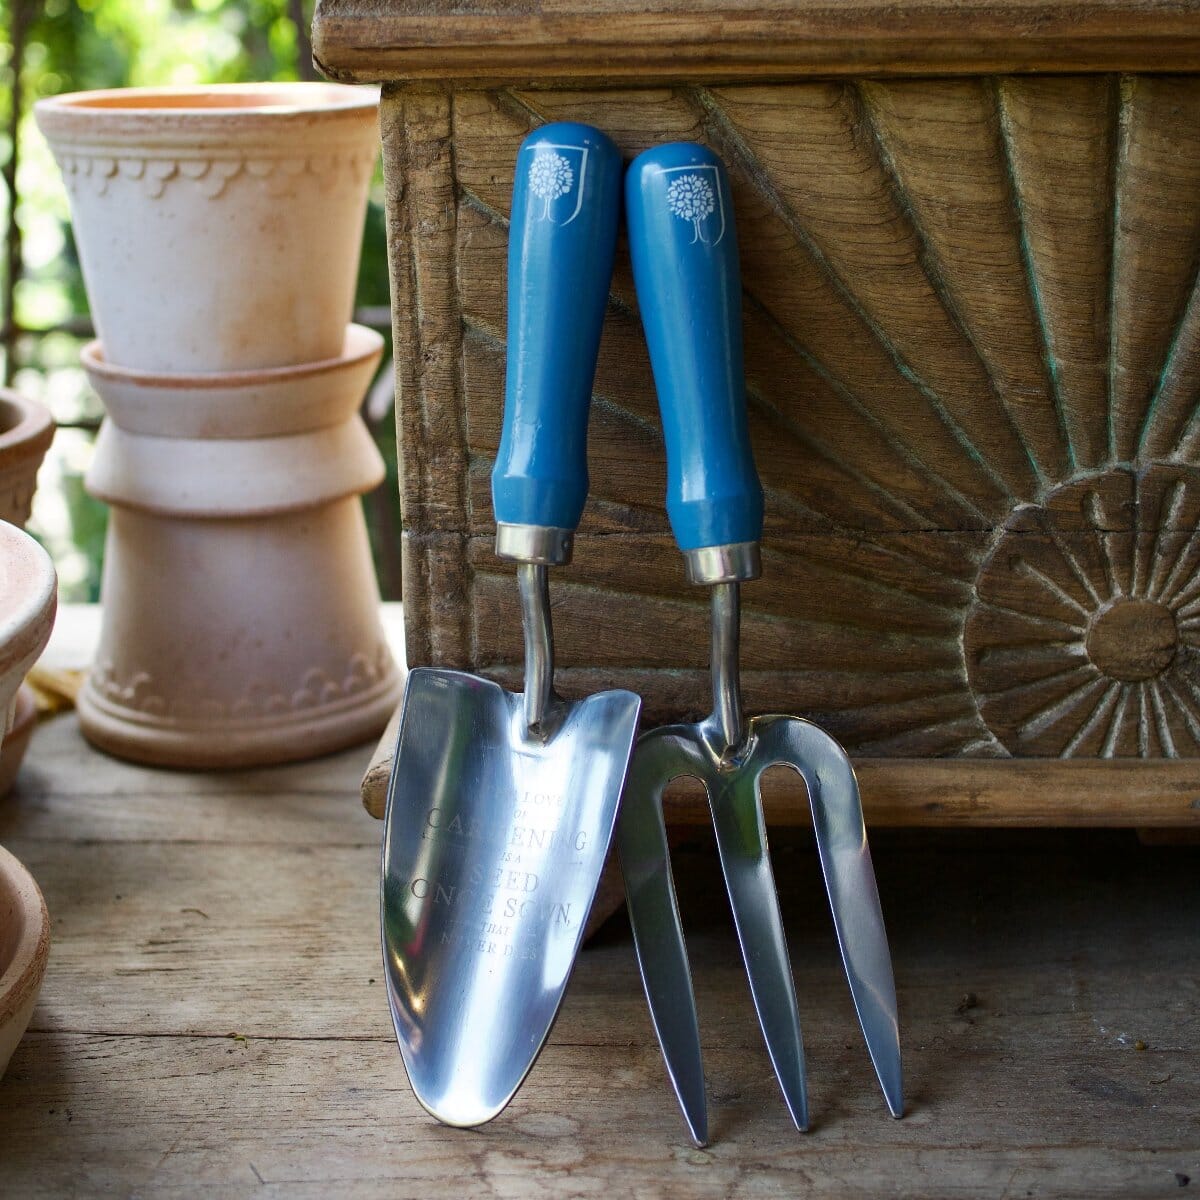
[683, 244]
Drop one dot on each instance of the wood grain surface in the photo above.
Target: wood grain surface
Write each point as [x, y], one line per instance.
[972, 350]
[601, 41]
[951, 793]
[213, 1020]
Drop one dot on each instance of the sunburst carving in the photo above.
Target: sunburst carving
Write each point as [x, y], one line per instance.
[1082, 638]
[972, 331]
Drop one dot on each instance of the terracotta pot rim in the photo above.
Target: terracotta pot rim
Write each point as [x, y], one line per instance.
[24, 442]
[360, 344]
[22, 974]
[28, 593]
[180, 115]
[34, 424]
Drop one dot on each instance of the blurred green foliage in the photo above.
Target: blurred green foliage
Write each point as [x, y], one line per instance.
[78, 45]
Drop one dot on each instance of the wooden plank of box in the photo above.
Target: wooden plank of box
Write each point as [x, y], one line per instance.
[972, 331]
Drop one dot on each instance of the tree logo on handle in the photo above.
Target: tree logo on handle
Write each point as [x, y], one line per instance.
[693, 196]
[550, 176]
[557, 170]
[691, 199]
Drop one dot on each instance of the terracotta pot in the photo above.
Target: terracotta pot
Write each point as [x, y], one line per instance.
[219, 228]
[28, 595]
[28, 592]
[26, 431]
[17, 739]
[240, 608]
[24, 948]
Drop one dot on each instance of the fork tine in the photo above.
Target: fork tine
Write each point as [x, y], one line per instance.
[854, 900]
[864, 947]
[750, 882]
[850, 883]
[658, 932]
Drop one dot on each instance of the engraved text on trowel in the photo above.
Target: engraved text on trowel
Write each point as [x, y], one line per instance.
[493, 901]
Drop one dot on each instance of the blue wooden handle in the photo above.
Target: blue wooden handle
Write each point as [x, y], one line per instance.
[685, 265]
[562, 236]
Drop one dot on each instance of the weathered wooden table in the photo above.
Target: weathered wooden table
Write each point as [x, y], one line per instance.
[213, 1021]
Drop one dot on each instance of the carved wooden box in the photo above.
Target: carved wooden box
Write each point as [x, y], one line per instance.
[972, 332]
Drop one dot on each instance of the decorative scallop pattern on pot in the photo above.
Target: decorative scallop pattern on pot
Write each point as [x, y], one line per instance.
[153, 173]
[260, 700]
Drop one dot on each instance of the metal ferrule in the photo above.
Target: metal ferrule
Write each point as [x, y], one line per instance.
[735, 562]
[546, 545]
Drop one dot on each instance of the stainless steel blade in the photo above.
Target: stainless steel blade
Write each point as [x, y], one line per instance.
[494, 841]
[660, 756]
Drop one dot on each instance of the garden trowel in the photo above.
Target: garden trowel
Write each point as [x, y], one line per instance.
[501, 806]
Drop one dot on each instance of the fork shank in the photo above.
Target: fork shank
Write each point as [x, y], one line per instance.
[726, 682]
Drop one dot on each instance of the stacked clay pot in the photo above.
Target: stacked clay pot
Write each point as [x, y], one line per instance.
[26, 431]
[219, 232]
[28, 597]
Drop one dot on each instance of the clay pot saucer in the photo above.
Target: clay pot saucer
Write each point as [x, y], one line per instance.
[24, 948]
[237, 404]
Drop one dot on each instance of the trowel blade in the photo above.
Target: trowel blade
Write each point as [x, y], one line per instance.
[493, 846]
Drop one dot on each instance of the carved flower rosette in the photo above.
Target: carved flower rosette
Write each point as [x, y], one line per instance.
[1082, 639]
